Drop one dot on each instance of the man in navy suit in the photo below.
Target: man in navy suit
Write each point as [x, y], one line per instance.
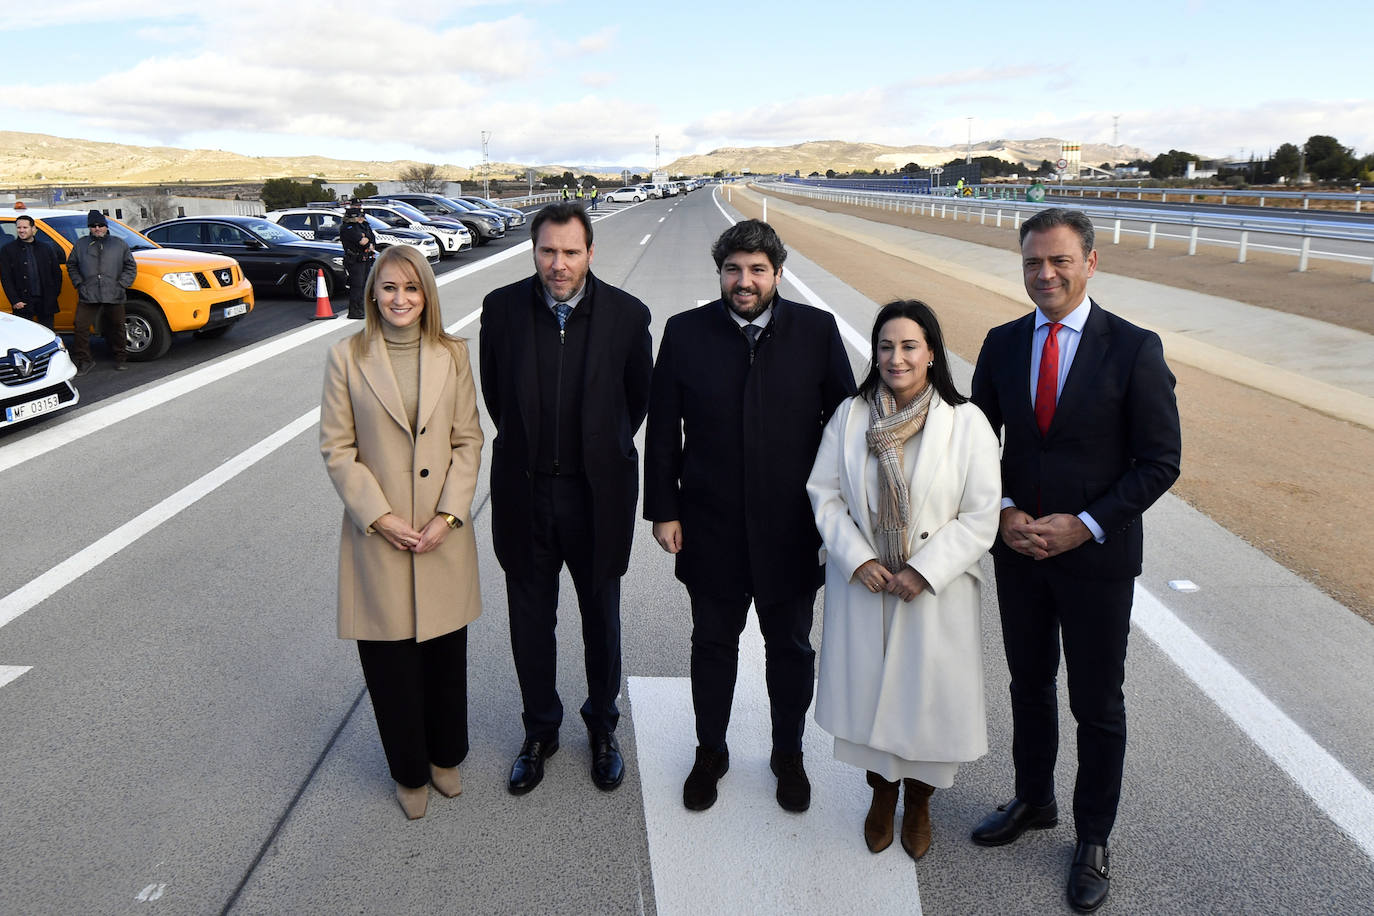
[1085, 404]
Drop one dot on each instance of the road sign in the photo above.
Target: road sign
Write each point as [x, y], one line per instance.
[937, 171]
[1062, 164]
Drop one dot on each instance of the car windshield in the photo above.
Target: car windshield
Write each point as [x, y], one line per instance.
[407, 210]
[270, 231]
[73, 228]
[460, 204]
[482, 202]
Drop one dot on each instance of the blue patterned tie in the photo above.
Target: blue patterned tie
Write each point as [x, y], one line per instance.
[562, 310]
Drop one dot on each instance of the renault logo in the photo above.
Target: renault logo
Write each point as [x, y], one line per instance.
[22, 363]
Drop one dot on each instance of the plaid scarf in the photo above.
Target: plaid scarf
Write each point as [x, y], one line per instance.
[888, 430]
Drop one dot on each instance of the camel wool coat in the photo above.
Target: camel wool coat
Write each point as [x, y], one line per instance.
[378, 465]
[914, 690]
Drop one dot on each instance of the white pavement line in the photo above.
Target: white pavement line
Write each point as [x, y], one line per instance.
[464, 321]
[1326, 781]
[11, 672]
[69, 570]
[745, 854]
[103, 417]
[646, 238]
[662, 218]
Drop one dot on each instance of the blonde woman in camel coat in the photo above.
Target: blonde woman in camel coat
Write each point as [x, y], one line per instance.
[401, 440]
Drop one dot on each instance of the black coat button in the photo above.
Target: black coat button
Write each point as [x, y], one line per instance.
[924, 535]
[424, 472]
[422, 430]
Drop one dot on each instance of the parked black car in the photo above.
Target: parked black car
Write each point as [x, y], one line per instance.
[268, 254]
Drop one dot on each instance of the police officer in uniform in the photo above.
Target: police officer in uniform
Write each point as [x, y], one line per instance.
[360, 248]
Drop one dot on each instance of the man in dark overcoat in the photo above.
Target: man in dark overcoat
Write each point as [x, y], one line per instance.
[743, 387]
[1085, 405]
[565, 365]
[31, 273]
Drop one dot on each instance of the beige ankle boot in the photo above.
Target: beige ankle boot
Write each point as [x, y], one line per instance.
[916, 818]
[446, 780]
[413, 801]
[878, 824]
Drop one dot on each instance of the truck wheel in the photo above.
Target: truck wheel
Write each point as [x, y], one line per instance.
[146, 330]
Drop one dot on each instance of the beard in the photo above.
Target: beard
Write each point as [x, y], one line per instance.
[749, 314]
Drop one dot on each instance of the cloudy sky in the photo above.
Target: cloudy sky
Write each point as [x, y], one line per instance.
[556, 81]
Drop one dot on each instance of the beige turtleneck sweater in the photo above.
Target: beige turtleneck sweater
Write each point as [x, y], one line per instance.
[403, 349]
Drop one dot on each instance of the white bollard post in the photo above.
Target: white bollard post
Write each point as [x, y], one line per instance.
[765, 212]
[942, 211]
[999, 217]
[1151, 244]
[1192, 241]
[1261, 200]
[1017, 225]
[1116, 233]
[1306, 250]
[1244, 244]
[983, 217]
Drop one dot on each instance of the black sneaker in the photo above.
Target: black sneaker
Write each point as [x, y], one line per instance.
[699, 791]
[794, 789]
[83, 368]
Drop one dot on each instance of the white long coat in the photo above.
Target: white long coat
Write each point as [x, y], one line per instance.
[916, 690]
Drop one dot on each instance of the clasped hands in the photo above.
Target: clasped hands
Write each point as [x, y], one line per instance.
[876, 577]
[1041, 538]
[403, 537]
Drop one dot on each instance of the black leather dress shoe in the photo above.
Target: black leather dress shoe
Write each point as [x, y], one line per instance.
[608, 767]
[1011, 820]
[699, 791]
[528, 769]
[1089, 877]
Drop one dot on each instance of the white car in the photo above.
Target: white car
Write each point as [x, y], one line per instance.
[651, 191]
[35, 371]
[450, 237]
[322, 224]
[621, 195]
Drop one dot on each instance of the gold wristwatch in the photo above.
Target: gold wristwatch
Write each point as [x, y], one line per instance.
[452, 520]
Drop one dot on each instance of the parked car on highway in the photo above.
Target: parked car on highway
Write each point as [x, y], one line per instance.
[35, 371]
[484, 225]
[626, 195]
[269, 254]
[322, 225]
[651, 191]
[174, 290]
[515, 217]
[451, 237]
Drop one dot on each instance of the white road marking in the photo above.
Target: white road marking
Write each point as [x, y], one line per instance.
[646, 238]
[708, 862]
[151, 892]
[1326, 781]
[78, 564]
[662, 218]
[12, 672]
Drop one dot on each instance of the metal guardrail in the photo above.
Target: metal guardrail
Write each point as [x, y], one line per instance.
[1302, 228]
[1000, 190]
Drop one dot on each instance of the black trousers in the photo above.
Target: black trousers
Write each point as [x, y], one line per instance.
[357, 284]
[419, 692]
[563, 535]
[1039, 605]
[790, 664]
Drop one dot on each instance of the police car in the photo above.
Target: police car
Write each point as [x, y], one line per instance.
[35, 371]
[322, 224]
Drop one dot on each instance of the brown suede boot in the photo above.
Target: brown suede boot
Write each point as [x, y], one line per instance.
[916, 818]
[878, 824]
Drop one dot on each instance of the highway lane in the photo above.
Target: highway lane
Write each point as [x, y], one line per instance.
[189, 729]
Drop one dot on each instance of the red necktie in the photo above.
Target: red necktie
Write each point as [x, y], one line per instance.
[1047, 384]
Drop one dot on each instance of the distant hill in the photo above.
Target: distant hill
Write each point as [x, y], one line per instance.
[842, 156]
[27, 160]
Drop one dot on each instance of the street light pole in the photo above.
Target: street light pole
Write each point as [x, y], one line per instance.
[968, 148]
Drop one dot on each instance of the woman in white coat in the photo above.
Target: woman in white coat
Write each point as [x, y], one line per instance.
[907, 490]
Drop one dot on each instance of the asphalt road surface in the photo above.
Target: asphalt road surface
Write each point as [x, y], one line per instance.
[183, 733]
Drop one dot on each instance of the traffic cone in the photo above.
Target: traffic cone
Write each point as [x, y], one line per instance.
[323, 309]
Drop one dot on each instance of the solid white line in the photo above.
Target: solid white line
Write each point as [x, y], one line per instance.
[1321, 776]
[69, 570]
[646, 238]
[662, 218]
[10, 672]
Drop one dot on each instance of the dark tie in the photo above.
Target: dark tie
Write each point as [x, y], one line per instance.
[752, 331]
[562, 310]
[1047, 384]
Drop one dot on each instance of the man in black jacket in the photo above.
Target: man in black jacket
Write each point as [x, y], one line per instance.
[742, 390]
[360, 249]
[31, 273]
[102, 268]
[565, 367]
[1090, 430]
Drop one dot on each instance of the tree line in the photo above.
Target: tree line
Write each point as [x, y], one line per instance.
[1322, 157]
